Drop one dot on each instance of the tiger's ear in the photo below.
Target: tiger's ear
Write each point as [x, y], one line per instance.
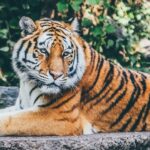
[75, 25]
[27, 25]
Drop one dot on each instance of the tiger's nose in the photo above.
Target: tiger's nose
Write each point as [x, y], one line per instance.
[55, 75]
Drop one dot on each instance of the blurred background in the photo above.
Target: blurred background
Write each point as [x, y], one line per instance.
[118, 29]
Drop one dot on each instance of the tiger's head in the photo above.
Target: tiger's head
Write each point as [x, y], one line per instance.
[49, 55]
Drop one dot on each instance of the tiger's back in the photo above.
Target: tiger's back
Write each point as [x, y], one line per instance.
[114, 98]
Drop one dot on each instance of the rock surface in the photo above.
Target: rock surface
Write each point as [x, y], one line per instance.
[107, 141]
[8, 96]
[111, 141]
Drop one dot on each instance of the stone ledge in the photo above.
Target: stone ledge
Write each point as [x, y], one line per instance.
[107, 141]
[8, 96]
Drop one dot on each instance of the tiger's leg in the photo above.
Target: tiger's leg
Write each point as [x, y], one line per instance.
[38, 122]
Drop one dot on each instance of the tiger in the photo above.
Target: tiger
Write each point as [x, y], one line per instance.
[68, 88]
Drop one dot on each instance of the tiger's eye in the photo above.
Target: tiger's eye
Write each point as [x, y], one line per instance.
[65, 54]
[43, 50]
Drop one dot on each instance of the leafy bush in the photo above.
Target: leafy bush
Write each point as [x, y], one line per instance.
[113, 28]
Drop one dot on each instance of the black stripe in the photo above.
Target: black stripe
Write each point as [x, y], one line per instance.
[143, 82]
[47, 29]
[61, 36]
[144, 127]
[71, 68]
[45, 24]
[33, 89]
[36, 66]
[71, 109]
[109, 76]
[120, 87]
[21, 107]
[92, 56]
[52, 101]
[125, 125]
[21, 67]
[56, 30]
[64, 102]
[60, 30]
[20, 104]
[20, 48]
[136, 123]
[125, 76]
[92, 59]
[72, 73]
[73, 61]
[50, 34]
[68, 119]
[99, 100]
[27, 49]
[37, 98]
[29, 61]
[35, 40]
[147, 110]
[51, 29]
[98, 68]
[117, 90]
[143, 75]
[134, 97]
[107, 81]
[41, 43]
[85, 93]
[58, 24]
[117, 100]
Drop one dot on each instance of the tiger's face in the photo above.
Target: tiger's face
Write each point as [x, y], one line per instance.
[49, 55]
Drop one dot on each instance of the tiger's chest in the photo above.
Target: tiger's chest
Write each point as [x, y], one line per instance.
[30, 95]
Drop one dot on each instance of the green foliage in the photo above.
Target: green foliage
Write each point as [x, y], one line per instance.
[113, 28]
[62, 7]
[76, 5]
[93, 2]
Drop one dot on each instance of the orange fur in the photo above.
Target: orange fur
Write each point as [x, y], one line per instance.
[108, 96]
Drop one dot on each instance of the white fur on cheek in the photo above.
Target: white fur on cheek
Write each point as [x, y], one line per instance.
[14, 57]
